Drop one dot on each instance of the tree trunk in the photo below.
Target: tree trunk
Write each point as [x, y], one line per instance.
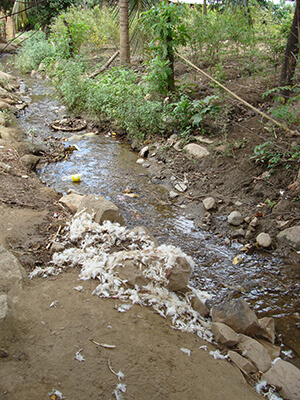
[124, 33]
[290, 56]
[204, 7]
[298, 13]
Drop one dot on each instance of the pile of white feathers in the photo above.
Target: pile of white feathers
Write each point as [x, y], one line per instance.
[93, 247]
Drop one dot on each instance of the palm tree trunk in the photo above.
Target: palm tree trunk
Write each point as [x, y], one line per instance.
[124, 33]
[290, 56]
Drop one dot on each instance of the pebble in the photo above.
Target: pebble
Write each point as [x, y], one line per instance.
[264, 240]
[235, 218]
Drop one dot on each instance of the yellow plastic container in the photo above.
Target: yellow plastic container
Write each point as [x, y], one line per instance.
[76, 178]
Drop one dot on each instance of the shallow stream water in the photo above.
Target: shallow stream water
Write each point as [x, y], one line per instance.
[108, 167]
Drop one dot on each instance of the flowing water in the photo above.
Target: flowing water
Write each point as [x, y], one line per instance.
[108, 167]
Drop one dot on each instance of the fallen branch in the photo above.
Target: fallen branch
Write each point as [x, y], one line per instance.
[293, 133]
[106, 65]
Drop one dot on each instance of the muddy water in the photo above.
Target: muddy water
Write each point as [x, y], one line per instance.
[108, 167]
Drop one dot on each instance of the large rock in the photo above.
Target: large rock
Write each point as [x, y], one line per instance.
[274, 351]
[241, 362]
[72, 201]
[30, 161]
[287, 377]
[235, 218]
[8, 316]
[199, 306]
[162, 265]
[224, 334]
[12, 274]
[291, 236]
[101, 208]
[196, 150]
[267, 329]
[255, 352]
[238, 315]
[264, 240]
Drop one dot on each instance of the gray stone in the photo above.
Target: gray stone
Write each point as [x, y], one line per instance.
[291, 236]
[196, 150]
[238, 233]
[72, 201]
[237, 314]
[180, 187]
[173, 194]
[199, 306]
[286, 376]
[30, 161]
[254, 222]
[209, 203]
[57, 247]
[101, 208]
[12, 274]
[144, 152]
[224, 334]
[264, 240]
[235, 218]
[204, 140]
[23, 88]
[283, 206]
[242, 363]
[255, 352]
[267, 329]
[177, 145]
[8, 316]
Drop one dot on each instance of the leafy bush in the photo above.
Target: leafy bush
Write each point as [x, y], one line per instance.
[33, 52]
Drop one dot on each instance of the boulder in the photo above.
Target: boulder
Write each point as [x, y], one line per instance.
[199, 306]
[242, 363]
[224, 334]
[143, 234]
[72, 201]
[264, 240]
[237, 314]
[287, 377]
[209, 203]
[12, 274]
[30, 161]
[255, 352]
[101, 208]
[267, 329]
[274, 351]
[196, 150]
[291, 236]
[8, 316]
[235, 218]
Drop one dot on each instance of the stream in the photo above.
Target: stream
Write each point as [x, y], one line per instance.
[108, 167]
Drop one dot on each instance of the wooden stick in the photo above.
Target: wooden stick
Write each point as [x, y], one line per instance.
[107, 64]
[294, 133]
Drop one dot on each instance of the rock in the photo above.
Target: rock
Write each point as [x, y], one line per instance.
[283, 206]
[249, 234]
[72, 201]
[8, 133]
[173, 194]
[224, 334]
[287, 377]
[267, 329]
[238, 233]
[274, 351]
[140, 161]
[177, 145]
[23, 89]
[204, 140]
[238, 315]
[143, 234]
[255, 352]
[6, 107]
[235, 218]
[136, 267]
[57, 247]
[180, 187]
[242, 363]
[291, 236]
[254, 222]
[144, 152]
[209, 203]
[8, 316]
[103, 209]
[30, 161]
[12, 274]
[264, 240]
[199, 306]
[196, 150]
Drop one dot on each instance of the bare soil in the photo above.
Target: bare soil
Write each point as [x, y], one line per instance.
[55, 321]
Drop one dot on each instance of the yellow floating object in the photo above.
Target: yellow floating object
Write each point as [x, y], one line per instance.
[76, 178]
